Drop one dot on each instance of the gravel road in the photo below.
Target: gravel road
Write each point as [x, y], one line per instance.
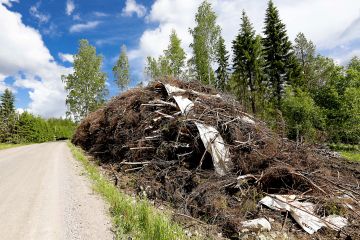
[44, 194]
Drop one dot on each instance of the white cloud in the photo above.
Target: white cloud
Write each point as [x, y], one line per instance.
[30, 63]
[65, 57]
[322, 21]
[77, 17]
[84, 26]
[344, 57]
[101, 14]
[70, 7]
[132, 7]
[41, 17]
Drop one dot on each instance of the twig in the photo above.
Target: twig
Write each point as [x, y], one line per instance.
[287, 213]
[164, 115]
[311, 182]
[140, 148]
[165, 103]
[134, 169]
[134, 163]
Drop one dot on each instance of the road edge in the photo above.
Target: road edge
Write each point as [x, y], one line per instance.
[131, 217]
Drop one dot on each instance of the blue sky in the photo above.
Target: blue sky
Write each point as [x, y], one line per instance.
[38, 38]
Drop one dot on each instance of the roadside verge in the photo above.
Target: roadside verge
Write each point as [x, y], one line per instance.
[134, 218]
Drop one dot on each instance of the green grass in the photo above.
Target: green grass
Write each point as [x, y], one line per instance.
[351, 155]
[10, 145]
[135, 218]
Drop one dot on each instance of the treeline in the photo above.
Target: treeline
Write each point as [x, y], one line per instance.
[28, 128]
[277, 80]
[272, 77]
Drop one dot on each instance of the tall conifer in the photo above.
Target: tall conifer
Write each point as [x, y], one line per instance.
[280, 61]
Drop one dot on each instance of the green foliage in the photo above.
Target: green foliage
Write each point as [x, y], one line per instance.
[205, 39]
[171, 64]
[157, 68]
[352, 156]
[61, 128]
[222, 58]
[338, 97]
[247, 64]
[133, 218]
[280, 61]
[10, 145]
[302, 116]
[121, 70]
[32, 129]
[86, 86]
[7, 107]
[175, 55]
[305, 54]
[7, 115]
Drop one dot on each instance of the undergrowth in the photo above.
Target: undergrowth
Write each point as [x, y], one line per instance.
[351, 155]
[132, 218]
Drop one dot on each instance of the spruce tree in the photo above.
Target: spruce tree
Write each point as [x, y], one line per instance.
[7, 115]
[7, 107]
[280, 61]
[86, 86]
[222, 58]
[121, 70]
[205, 38]
[247, 62]
[175, 55]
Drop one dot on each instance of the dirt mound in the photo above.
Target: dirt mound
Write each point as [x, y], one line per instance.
[183, 144]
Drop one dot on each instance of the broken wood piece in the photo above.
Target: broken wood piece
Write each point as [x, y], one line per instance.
[164, 114]
[140, 148]
[152, 137]
[134, 163]
[164, 103]
[134, 169]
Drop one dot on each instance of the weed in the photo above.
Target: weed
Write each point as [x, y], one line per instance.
[131, 217]
[350, 155]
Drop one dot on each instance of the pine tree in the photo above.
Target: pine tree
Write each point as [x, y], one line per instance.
[247, 62]
[280, 61]
[175, 55]
[222, 58]
[86, 86]
[121, 70]
[205, 38]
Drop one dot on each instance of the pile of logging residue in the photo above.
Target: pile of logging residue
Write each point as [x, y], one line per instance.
[184, 145]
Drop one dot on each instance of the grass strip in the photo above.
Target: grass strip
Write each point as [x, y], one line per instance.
[11, 145]
[351, 155]
[135, 218]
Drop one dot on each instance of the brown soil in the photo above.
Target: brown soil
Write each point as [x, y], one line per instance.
[159, 155]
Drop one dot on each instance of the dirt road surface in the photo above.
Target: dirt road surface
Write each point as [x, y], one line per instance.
[44, 194]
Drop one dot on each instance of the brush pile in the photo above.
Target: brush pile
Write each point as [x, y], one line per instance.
[183, 144]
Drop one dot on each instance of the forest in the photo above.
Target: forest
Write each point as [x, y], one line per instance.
[27, 128]
[275, 79]
[298, 92]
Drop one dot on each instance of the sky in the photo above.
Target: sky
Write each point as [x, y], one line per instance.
[38, 38]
